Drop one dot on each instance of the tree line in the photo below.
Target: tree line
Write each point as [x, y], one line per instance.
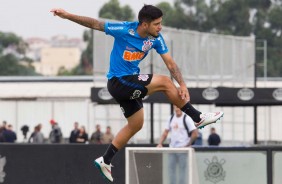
[13, 61]
[258, 18]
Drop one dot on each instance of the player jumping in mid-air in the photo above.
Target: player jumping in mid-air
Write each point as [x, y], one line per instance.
[133, 41]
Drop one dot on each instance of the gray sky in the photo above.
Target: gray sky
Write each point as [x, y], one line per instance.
[31, 18]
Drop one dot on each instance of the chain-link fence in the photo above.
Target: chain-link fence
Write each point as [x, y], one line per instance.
[211, 58]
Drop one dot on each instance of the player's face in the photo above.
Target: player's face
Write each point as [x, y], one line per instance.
[155, 27]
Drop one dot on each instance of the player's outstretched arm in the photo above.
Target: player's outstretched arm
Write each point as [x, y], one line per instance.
[82, 20]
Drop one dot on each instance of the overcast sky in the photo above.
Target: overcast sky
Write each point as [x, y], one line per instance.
[31, 18]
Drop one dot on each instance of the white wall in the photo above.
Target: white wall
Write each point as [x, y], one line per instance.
[236, 128]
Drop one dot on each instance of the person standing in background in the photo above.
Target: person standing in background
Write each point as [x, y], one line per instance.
[37, 136]
[55, 135]
[96, 137]
[214, 139]
[74, 133]
[82, 136]
[183, 133]
[2, 138]
[108, 136]
[9, 135]
[4, 124]
[25, 130]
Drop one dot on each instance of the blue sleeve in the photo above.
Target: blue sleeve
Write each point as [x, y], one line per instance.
[160, 46]
[115, 28]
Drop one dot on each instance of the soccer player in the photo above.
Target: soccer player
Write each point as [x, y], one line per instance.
[133, 41]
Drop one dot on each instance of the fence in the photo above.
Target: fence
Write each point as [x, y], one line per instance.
[208, 59]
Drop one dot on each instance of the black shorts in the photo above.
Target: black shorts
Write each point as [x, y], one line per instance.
[129, 90]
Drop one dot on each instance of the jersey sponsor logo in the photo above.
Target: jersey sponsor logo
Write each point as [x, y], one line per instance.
[132, 56]
[143, 77]
[147, 44]
[130, 48]
[115, 28]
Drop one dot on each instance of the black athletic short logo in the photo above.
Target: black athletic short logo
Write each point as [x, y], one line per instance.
[136, 94]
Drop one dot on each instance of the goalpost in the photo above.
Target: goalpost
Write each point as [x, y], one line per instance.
[155, 165]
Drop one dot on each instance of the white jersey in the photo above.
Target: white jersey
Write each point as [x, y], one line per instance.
[178, 133]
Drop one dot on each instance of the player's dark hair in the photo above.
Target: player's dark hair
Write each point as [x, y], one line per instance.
[149, 13]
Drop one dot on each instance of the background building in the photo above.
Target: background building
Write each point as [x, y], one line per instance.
[49, 56]
[54, 58]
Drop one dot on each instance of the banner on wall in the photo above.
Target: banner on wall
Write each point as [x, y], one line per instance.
[220, 96]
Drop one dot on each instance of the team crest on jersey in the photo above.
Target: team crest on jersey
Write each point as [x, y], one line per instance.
[147, 45]
[143, 77]
[131, 31]
[136, 94]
